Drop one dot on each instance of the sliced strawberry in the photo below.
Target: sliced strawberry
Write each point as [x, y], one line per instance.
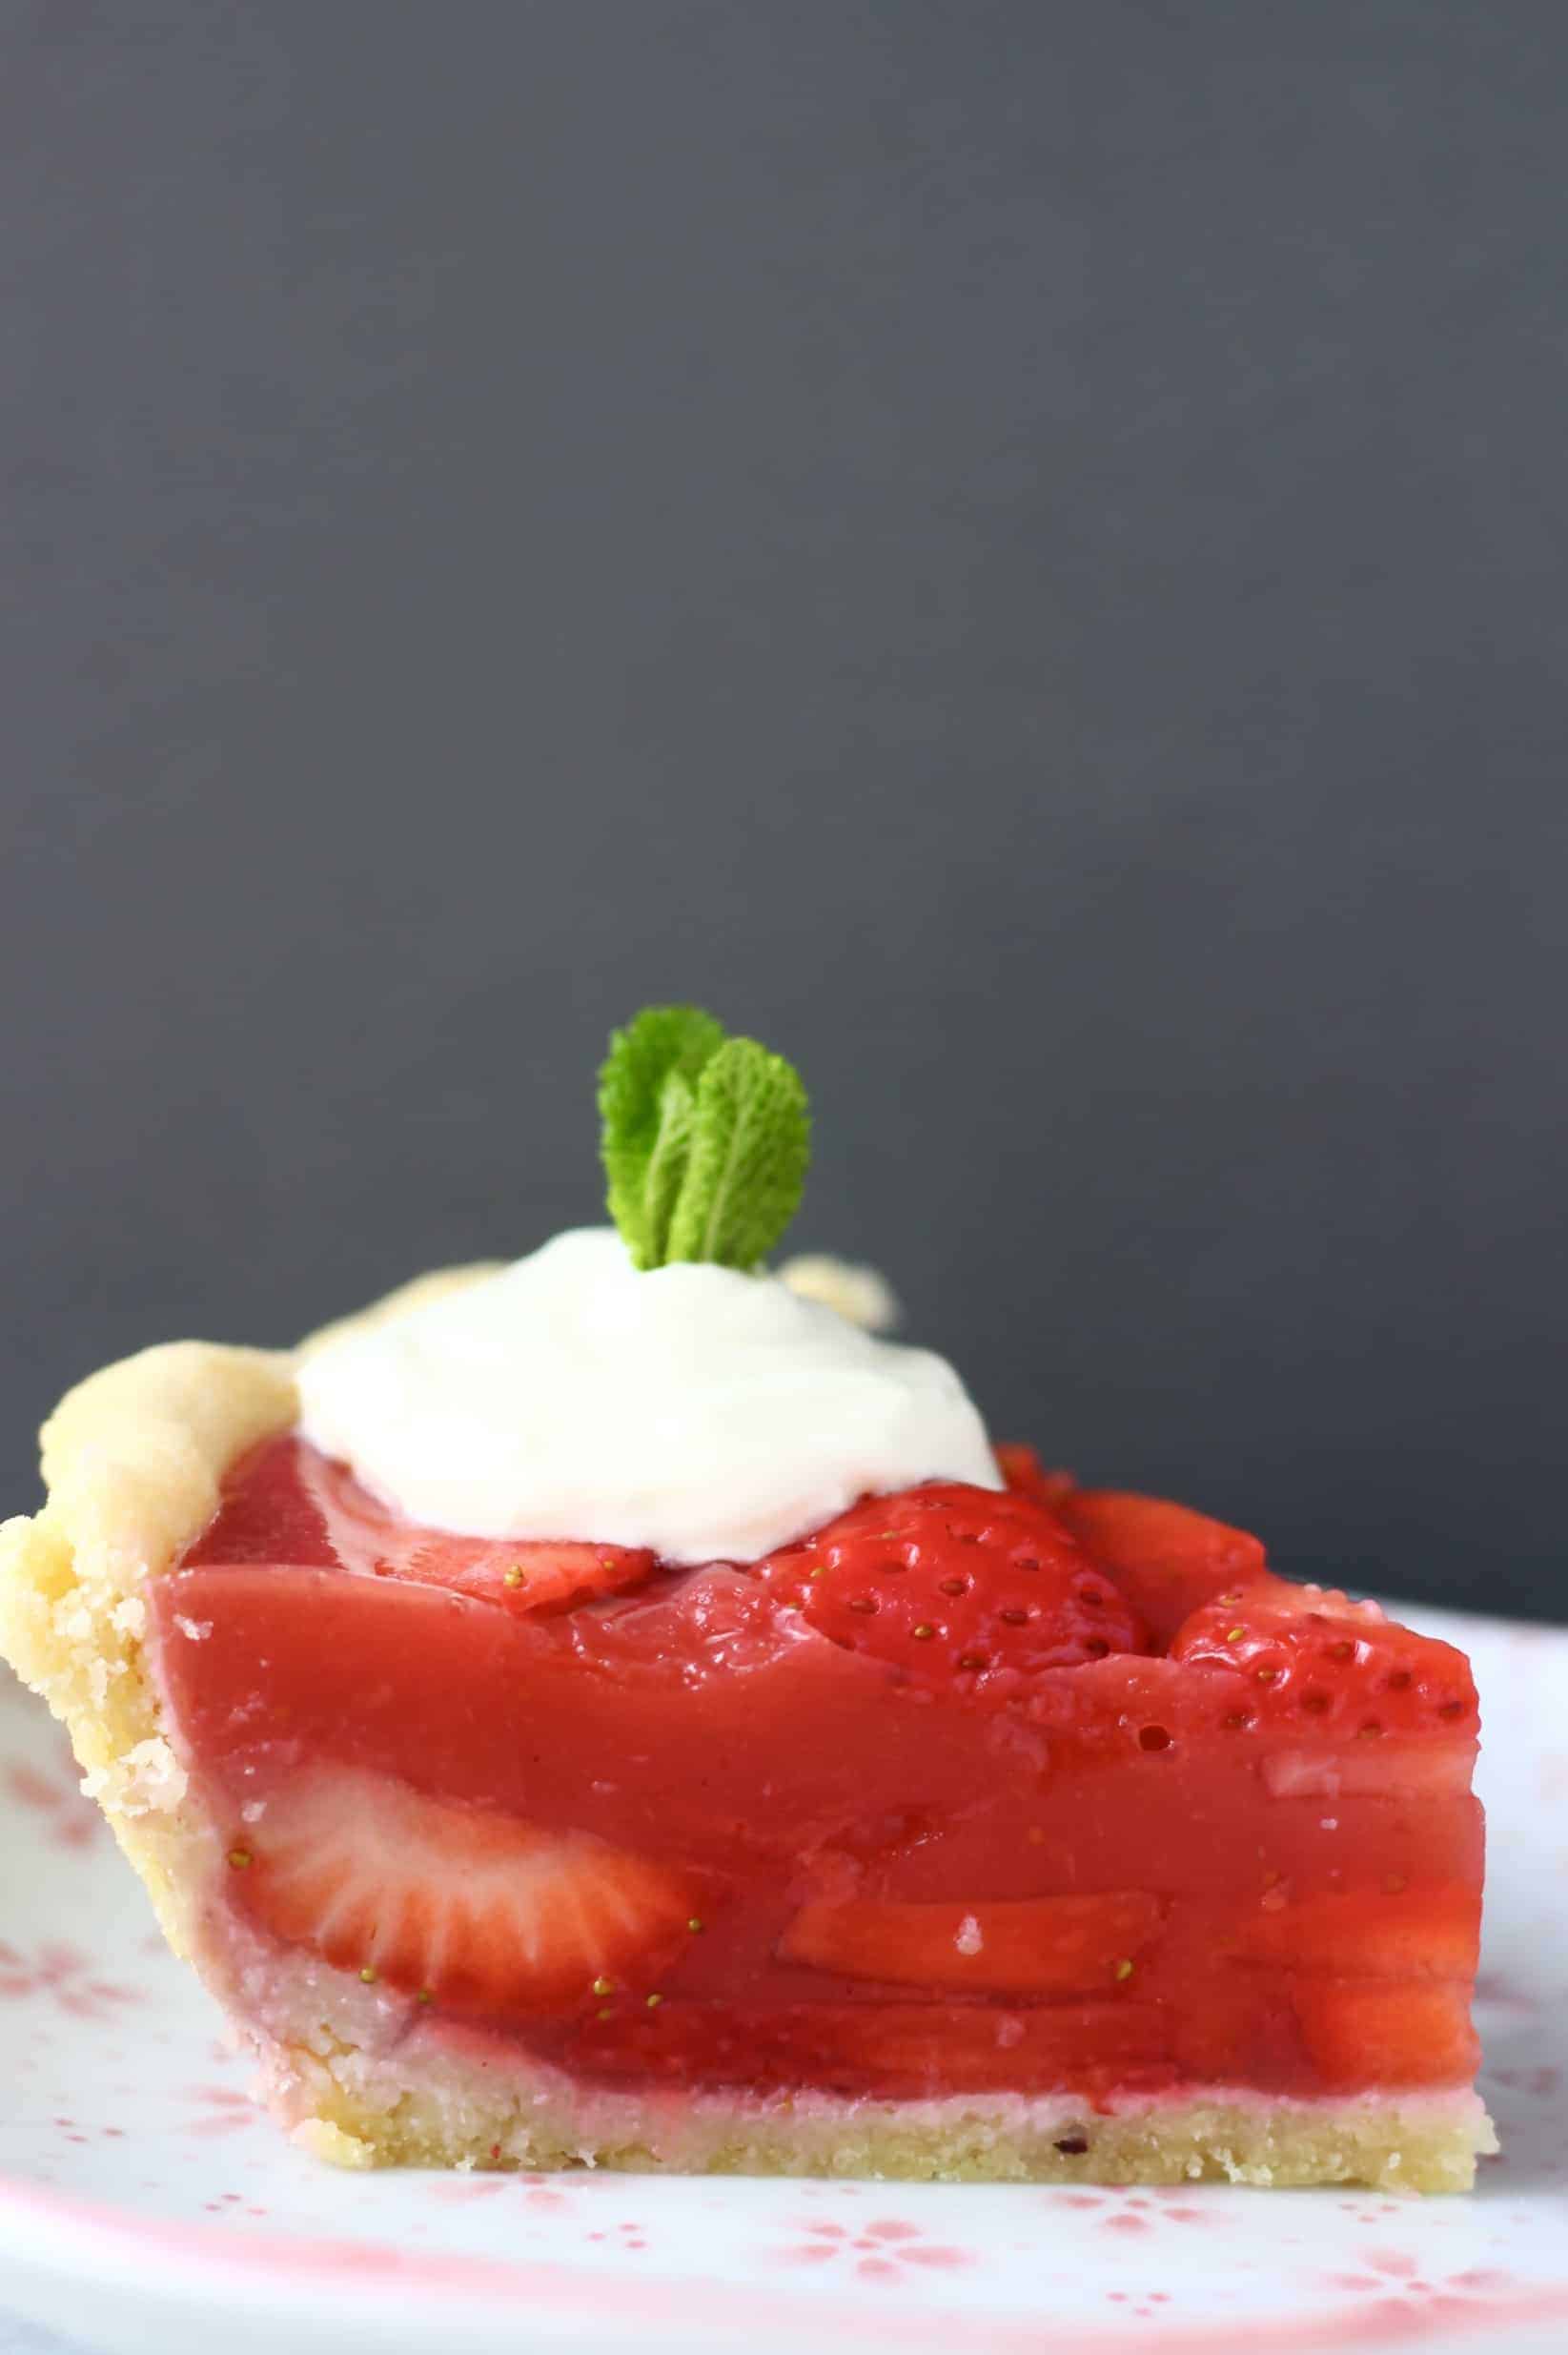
[1026, 1476]
[1415, 1768]
[520, 1575]
[896, 2050]
[1042, 1946]
[1312, 1660]
[478, 1912]
[1379, 2034]
[958, 1588]
[1403, 1934]
[1167, 1558]
[267, 1513]
[285, 1505]
[1236, 2032]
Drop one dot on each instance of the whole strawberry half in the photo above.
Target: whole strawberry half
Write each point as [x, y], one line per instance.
[959, 1588]
[1308, 1658]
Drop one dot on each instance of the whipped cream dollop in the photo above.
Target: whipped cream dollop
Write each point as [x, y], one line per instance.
[710, 1415]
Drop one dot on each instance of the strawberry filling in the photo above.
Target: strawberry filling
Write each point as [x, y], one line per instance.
[1040, 1790]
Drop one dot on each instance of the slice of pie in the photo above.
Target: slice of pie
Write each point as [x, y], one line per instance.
[616, 1709]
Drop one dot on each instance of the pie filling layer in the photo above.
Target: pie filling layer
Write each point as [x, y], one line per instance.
[709, 1827]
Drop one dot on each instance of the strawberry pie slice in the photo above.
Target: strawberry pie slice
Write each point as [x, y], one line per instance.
[618, 1709]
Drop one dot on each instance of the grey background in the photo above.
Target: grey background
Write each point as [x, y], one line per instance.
[1015, 551]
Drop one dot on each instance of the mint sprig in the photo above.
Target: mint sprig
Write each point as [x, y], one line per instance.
[705, 1140]
[647, 1094]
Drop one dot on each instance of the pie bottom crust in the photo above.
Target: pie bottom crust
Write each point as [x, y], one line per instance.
[133, 1461]
[364, 2090]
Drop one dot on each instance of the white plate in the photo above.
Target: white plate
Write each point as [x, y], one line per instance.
[144, 2205]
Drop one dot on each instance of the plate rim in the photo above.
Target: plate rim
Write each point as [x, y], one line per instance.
[373, 2281]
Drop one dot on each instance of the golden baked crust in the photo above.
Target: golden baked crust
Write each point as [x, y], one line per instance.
[132, 1461]
[1411, 2146]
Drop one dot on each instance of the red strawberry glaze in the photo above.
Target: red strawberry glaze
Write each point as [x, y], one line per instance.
[1131, 1871]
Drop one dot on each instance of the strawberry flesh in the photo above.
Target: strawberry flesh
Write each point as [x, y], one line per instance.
[1366, 2035]
[1038, 1946]
[907, 2050]
[1025, 1474]
[480, 1913]
[300, 1508]
[1167, 1559]
[1391, 1933]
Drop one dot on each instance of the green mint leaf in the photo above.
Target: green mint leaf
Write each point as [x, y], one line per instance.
[661, 1052]
[668, 1165]
[745, 1167]
[705, 1141]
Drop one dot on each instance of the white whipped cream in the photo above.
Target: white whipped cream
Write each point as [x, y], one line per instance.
[710, 1415]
